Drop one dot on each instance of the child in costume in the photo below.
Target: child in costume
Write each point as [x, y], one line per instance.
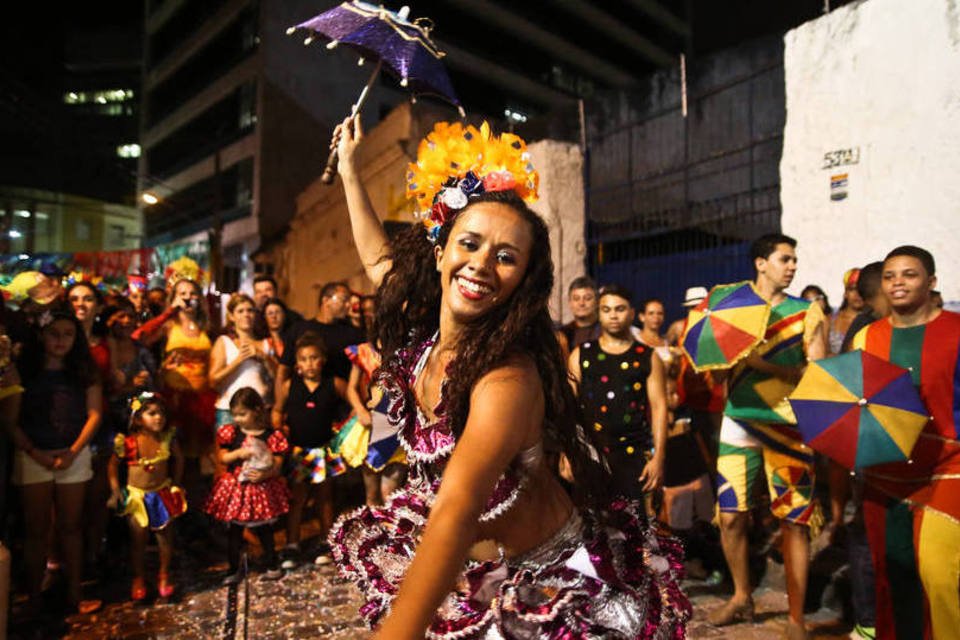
[368, 441]
[310, 411]
[151, 498]
[483, 541]
[251, 493]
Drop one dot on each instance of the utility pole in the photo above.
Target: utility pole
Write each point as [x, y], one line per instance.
[216, 232]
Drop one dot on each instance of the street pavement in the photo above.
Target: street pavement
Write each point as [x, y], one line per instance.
[312, 602]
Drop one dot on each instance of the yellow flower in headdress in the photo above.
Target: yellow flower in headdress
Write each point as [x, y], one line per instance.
[82, 276]
[455, 161]
[137, 401]
[184, 268]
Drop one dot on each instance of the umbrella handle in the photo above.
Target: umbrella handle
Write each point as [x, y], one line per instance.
[330, 170]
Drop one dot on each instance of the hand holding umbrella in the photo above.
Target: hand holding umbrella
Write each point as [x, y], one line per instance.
[343, 145]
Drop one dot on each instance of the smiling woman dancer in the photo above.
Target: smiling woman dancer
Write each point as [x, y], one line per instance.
[483, 541]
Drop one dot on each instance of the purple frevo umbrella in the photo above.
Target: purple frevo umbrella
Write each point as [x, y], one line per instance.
[404, 47]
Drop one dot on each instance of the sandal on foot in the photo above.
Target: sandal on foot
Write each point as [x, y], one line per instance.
[732, 612]
[85, 607]
[164, 586]
[138, 590]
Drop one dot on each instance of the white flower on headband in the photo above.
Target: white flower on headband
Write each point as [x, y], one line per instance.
[454, 198]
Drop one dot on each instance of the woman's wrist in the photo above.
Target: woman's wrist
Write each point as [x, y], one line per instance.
[348, 172]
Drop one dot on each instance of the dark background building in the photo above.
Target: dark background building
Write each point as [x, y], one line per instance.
[230, 116]
[69, 126]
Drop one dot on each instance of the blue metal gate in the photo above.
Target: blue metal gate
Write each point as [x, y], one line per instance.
[674, 200]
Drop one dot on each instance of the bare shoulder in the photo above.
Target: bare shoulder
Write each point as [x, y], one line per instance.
[506, 397]
[515, 382]
[517, 369]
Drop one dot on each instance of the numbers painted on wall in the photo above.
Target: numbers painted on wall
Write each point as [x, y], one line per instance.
[841, 158]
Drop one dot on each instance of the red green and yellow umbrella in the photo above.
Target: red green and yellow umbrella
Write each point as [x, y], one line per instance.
[859, 409]
[725, 326]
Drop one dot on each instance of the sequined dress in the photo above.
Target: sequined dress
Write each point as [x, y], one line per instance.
[617, 580]
[248, 504]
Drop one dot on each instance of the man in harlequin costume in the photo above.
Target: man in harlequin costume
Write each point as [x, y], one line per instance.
[912, 509]
[758, 436]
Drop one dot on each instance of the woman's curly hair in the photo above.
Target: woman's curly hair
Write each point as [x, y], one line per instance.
[408, 310]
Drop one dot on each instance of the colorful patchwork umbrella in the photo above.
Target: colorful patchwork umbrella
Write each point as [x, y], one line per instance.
[725, 326]
[859, 409]
[392, 41]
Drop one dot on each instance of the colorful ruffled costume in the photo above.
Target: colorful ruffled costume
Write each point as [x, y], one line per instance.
[248, 504]
[619, 579]
[377, 446]
[153, 509]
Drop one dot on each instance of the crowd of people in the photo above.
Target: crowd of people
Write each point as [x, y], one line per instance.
[713, 440]
[520, 478]
[125, 403]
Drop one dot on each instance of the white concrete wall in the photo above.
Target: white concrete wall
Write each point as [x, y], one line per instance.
[883, 77]
[561, 204]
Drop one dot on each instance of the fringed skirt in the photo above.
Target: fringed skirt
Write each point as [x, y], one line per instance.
[618, 580]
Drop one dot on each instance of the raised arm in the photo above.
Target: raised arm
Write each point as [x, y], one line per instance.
[368, 234]
[151, 330]
[499, 425]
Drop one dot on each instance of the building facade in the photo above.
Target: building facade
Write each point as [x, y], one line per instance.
[42, 221]
[236, 120]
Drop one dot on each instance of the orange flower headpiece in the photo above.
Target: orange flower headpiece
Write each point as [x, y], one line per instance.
[455, 162]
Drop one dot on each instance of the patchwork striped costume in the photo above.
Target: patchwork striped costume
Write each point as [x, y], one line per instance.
[912, 510]
[759, 430]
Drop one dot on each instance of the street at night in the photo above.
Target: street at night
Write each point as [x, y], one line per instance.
[480, 320]
[312, 602]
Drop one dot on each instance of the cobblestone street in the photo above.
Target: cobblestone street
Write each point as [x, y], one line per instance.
[312, 602]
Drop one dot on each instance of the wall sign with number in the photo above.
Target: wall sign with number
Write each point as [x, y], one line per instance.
[841, 158]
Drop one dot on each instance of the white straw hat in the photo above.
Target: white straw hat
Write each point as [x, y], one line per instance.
[694, 296]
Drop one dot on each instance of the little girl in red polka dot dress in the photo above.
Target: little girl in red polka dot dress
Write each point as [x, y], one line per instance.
[252, 493]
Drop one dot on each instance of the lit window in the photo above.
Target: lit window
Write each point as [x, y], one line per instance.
[129, 150]
[98, 97]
